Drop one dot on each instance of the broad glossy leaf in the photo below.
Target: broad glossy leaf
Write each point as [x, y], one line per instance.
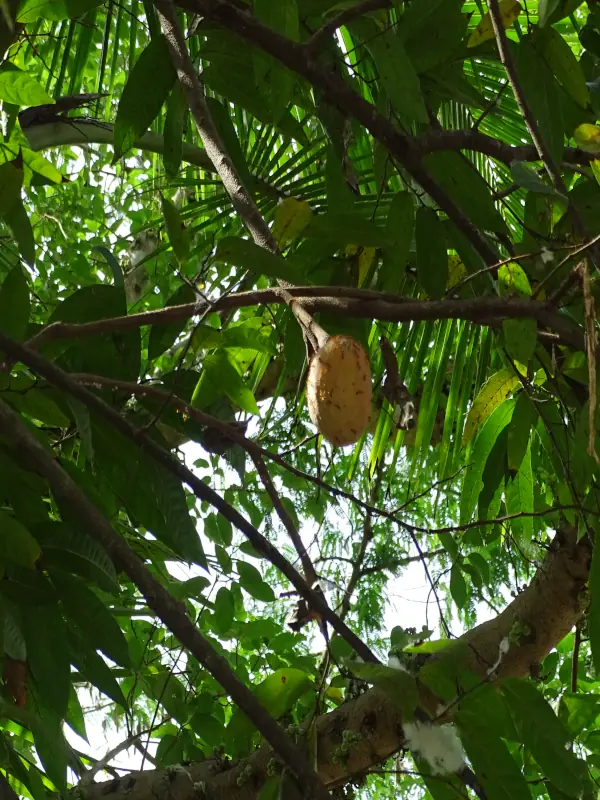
[529, 178]
[247, 255]
[458, 586]
[93, 618]
[18, 221]
[432, 31]
[399, 685]
[484, 443]
[17, 544]
[11, 182]
[14, 304]
[220, 375]
[398, 75]
[32, 10]
[147, 88]
[73, 550]
[113, 355]
[564, 64]
[176, 231]
[541, 94]
[164, 336]
[291, 217]
[519, 498]
[519, 430]
[494, 766]
[173, 131]
[400, 227]
[251, 580]
[467, 188]
[509, 11]
[224, 610]
[48, 654]
[22, 393]
[94, 668]
[543, 734]
[492, 394]
[432, 257]
[21, 89]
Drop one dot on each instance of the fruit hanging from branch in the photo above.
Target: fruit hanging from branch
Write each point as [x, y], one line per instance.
[338, 390]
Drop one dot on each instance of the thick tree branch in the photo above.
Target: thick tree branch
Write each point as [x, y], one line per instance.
[168, 610]
[63, 381]
[548, 608]
[301, 59]
[343, 300]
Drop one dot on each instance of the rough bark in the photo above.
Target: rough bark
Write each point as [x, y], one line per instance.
[548, 609]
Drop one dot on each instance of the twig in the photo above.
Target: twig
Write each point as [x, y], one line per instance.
[310, 575]
[511, 72]
[343, 18]
[168, 610]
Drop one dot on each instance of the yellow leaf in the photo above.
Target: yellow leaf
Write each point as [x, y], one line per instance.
[456, 271]
[291, 217]
[587, 137]
[595, 165]
[509, 11]
[493, 392]
[365, 261]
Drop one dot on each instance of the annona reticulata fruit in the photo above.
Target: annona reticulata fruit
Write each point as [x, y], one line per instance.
[338, 390]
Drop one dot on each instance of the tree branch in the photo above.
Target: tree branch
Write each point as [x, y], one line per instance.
[168, 610]
[343, 300]
[240, 197]
[63, 381]
[301, 59]
[548, 608]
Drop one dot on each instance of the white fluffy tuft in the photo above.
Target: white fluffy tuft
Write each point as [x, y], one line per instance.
[439, 745]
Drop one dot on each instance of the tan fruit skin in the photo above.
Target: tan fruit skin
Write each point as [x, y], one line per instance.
[338, 390]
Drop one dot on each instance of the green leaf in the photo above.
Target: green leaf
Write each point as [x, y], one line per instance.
[31, 10]
[527, 176]
[397, 75]
[513, 280]
[248, 255]
[347, 227]
[399, 685]
[113, 355]
[467, 188]
[291, 218]
[519, 429]
[564, 64]
[48, 654]
[152, 495]
[14, 304]
[593, 616]
[458, 586]
[18, 221]
[541, 94]
[251, 580]
[147, 88]
[66, 548]
[495, 768]
[543, 734]
[519, 498]
[486, 438]
[16, 543]
[173, 131]
[520, 337]
[75, 718]
[164, 336]
[432, 32]
[219, 375]
[492, 394]
[93, 618]
[94, 668]
[11, 182]
[432, 256]
[176, 231]
[21, 89]
[224, 610]
[400, 226]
